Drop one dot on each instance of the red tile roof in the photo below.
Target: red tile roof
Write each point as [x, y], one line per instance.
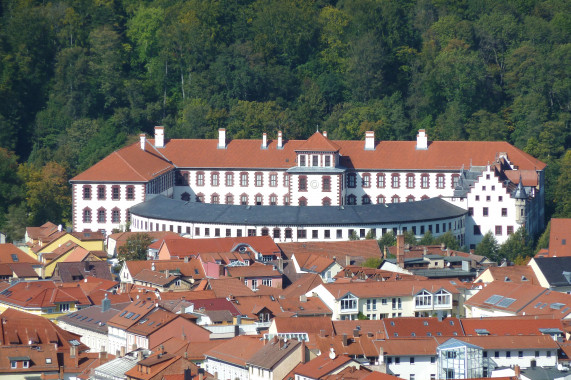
[357, 250]
[37, 233]
[509, 341]
[237, 350]
[517, 273]
[310, 325]
[130, 164]
[382, 289]
[254, 270]
[9, 249]
[318, 142]
[313, 263]
[560, 237]
[192, 268]
[523, 294]
[186, 247]
[520, 325]
[321, 366]
[404, 327]
[43, 294]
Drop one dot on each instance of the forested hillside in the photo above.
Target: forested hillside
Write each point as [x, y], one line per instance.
[80, 78]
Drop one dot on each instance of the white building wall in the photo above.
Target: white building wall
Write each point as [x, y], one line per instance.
[117, 338]
[108, 204]
[94, 340]
[223, 370]
[510, 358]
[423, 368]
[476, 312]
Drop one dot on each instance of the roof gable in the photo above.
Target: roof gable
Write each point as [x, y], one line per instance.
[318, 143]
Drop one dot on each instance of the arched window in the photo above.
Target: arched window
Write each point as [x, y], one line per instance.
[185, 196]
[381, 199]
[351, 199]
[366, 200]
[326, 201]
[244, 199]
[259, 199]
[215, 199]
[395, 199]
[87, 215]
[410, 198]
[424, 197]
[200, 197]
[302, 201]
[229, 199]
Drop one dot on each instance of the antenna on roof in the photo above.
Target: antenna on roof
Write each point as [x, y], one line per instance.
[317, 128]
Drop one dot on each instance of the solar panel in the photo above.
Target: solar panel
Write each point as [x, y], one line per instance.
[493, 299]
[506, 302]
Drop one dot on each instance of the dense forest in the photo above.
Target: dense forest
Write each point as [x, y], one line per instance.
[81, 78]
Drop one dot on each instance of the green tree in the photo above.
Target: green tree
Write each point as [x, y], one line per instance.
[488, 247]
[426, 239]
[10, 184]
[354, 236]
[135, 248]
[410, 238]
[449, 240]
[387, 240]
[373, 262]
[543, 241]
[517, 244]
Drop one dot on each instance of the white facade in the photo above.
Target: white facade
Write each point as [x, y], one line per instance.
[97, 342]
[223, 370]
[416, 367]
[117, 339]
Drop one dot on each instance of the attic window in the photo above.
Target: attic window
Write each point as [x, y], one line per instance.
[48, 360]
[426, 323]
[507, 279]
[14, 257]
[451, 323]
[392, 323]
[523, 278]
[123, 313]
[563, 241]
[129, 315]
[413, 334]
[428, 334]
[396, 334]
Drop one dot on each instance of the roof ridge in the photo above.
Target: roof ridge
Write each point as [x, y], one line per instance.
[129, 165]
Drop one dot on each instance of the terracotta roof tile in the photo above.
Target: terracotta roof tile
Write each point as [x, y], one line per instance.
[313, 263]
[321, 366]
[522, 294]
[524, 325]
[9, 249]
[130, 164]
[318, 142]
[405, 327]
[254, 270]
[186, 247]
[357, 250]
[560, 237]
[192, 268]
[238, 350]
[381, 289]
[310, 325]
[516, 273]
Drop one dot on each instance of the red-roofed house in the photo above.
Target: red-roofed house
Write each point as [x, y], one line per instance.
[257, 274]
[313, 172]
[560, 237]
[328, 363]
[229, 359]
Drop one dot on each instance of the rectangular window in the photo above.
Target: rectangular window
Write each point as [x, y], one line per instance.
[498, 230]
[215, 179]
[115, 193]
[13, 364]
[327, 160]
[477, 230]
[207, 232]
[326, 183]
[440, 181]
[520, 354]
[115, 216]
[315, 234]
[510, 230]
[508, 354]
[496, 354]
[412, 360]
[327, 234]
[229, 179]
[315, 159]
[286, 180]
[273, 180]
[485, 211]
[351, 180]
[302, 183]
[100, 192]
[366, 180]
[410, 181]
[258, 180]
[197, 231]
[87, 192]
[130, 192]
[424, 181]
[243, 179]
[381, 181]
[301, 234]
[302, 160]
[339, 234]
[217, 232]
[488, 198]
[199, 179]
[395, 181]
[504, 212]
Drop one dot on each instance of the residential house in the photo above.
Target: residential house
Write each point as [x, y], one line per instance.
[515, 273]
[553, 272]
[119, 239]
[351, 252]
[258, 248]
[256, 274]
[161, 281]
[77, 271]
[91, 241]
[411, 327]
[325, 267]
[161, 364]
[229, 360]
[377, 300]
[17, 265]
[91, 323]
[44, 298]
[499, 299]
[190, 271]
[329, 363]
[33, 346]
[560, 237]
[519, 325]
[117, 368]
[276, 359]
[409, 358]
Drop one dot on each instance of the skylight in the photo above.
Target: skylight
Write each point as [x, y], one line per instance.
[14, 257]
[123, 313]
[493, 299]
[129, 315]
[506, 302]
[557, 305]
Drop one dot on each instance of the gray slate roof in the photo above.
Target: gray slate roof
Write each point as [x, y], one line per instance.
[160, 207]
[557, 270]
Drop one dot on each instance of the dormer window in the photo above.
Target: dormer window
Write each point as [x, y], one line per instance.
[301, 160]
[327, 160]
[315, 159]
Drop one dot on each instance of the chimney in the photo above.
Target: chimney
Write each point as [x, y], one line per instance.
[280, 140]
[324, 133]
[186, 374]
[443, 246]
[345, 340]
[105, 304]
[347, 260]
[322, 333]
[355, 333]
[200, 373]
[370, 140]
[139, 355]
[122, 352]
[73, 356]
[424, 251]
[102, 356]
[142, 139]
[221, 138]
[264, 141]
[400, 249]
[159, 137]
[421, 140]
[517, 371]
[303, 298]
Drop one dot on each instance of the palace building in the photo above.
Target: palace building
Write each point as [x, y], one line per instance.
[347, 187]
